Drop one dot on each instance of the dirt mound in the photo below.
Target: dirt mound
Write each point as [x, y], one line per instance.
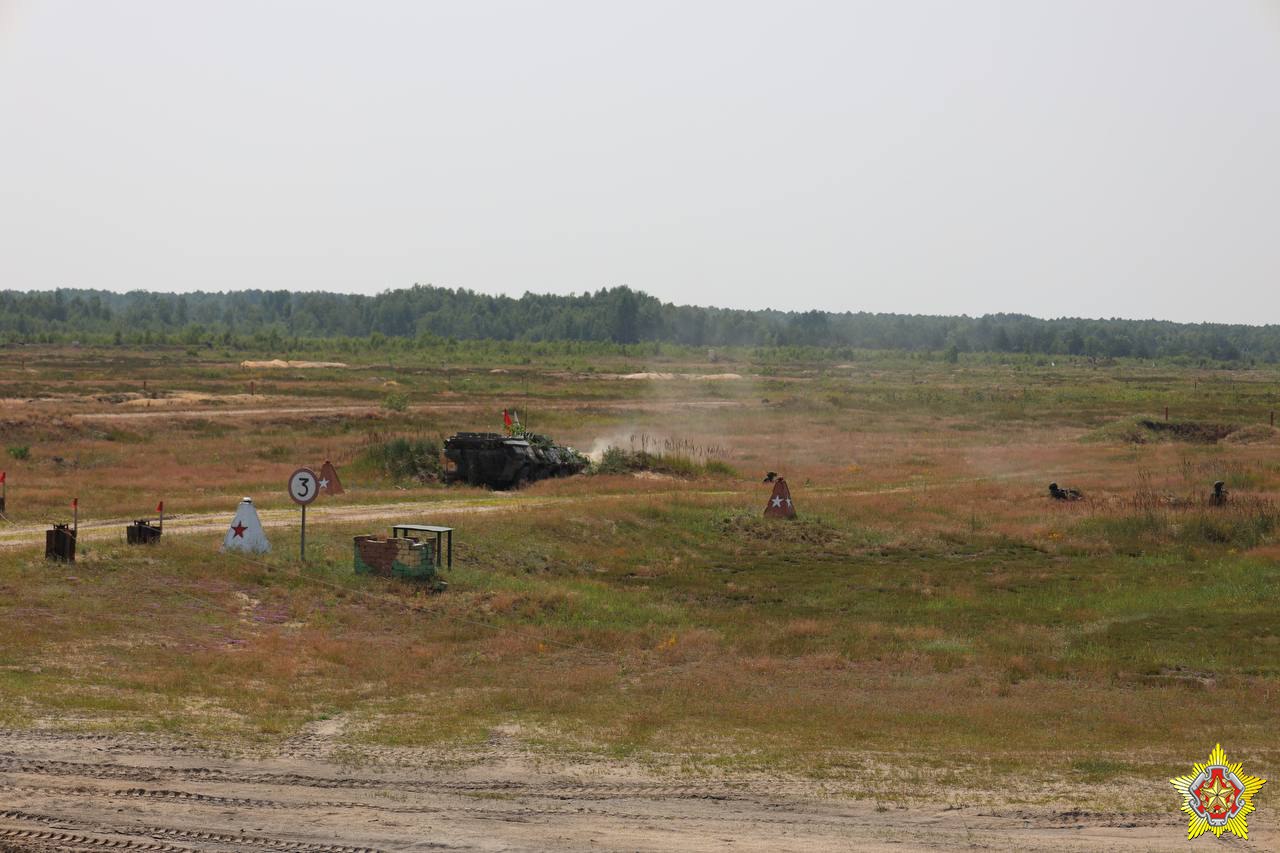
[754, 532]
[1193, 431]
[1255, 434]
[278, 363]
[1144, 430]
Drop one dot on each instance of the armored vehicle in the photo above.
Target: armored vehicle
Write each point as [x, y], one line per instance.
[507, 461]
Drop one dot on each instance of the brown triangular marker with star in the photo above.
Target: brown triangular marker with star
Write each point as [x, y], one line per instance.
[780, 505]
[329, 482]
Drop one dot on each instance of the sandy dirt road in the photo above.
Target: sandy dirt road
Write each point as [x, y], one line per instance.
[100, 792]
[295, 411]
[112, 529]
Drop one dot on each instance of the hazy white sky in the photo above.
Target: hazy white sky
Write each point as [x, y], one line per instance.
[1054, 158]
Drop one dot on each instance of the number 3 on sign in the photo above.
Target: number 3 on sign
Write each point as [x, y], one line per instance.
[302, 486]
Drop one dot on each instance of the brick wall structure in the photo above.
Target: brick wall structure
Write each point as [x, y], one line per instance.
[387, 557]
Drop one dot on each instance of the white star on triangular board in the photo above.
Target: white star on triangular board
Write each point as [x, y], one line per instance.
[324, 484]
[778, 501]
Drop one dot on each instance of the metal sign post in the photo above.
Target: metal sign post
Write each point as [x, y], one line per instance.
[303, 489]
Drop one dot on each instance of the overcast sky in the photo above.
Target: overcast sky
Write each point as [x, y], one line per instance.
[1052, 158]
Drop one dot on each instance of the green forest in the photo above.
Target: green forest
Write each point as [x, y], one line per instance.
[271, 319]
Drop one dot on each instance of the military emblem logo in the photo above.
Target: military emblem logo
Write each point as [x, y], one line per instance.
[1217, 796]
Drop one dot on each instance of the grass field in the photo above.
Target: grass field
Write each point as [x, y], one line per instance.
[931, 612]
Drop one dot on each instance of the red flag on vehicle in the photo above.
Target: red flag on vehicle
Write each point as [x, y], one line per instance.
[780, 505]
[1, 476]
[506, 419]
[160, 507]
[75, 503]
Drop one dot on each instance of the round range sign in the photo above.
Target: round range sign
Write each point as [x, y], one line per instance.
[304, 486]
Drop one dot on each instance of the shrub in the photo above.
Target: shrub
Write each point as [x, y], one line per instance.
[615, 460]
[396, 402]
[403, 458]
[720, 468]
[20, 451]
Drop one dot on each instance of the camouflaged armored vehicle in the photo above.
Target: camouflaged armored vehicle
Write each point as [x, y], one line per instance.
[507, 461]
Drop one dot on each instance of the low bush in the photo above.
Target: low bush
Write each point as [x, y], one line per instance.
[404, 458]
[616, 460]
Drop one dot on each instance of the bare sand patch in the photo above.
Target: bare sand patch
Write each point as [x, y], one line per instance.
[695, 377]
[176, 398]
[647, 375]
[651, 475]
[91, 790]
[278, 363]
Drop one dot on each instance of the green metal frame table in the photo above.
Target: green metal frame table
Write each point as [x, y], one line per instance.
[399, 531]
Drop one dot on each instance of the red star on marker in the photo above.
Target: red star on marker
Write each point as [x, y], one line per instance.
[239, 530]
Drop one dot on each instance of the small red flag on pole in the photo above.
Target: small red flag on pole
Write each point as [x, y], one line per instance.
[2, 476]
[75, 503]
[160, 507]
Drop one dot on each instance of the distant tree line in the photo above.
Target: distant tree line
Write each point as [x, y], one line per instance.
[616, 315]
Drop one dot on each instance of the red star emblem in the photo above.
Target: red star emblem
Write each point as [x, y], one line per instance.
[239, 530]
[1217, 795]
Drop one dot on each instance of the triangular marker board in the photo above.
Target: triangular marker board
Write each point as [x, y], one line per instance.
[780, 505]
[245, 532]
[329, 482]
